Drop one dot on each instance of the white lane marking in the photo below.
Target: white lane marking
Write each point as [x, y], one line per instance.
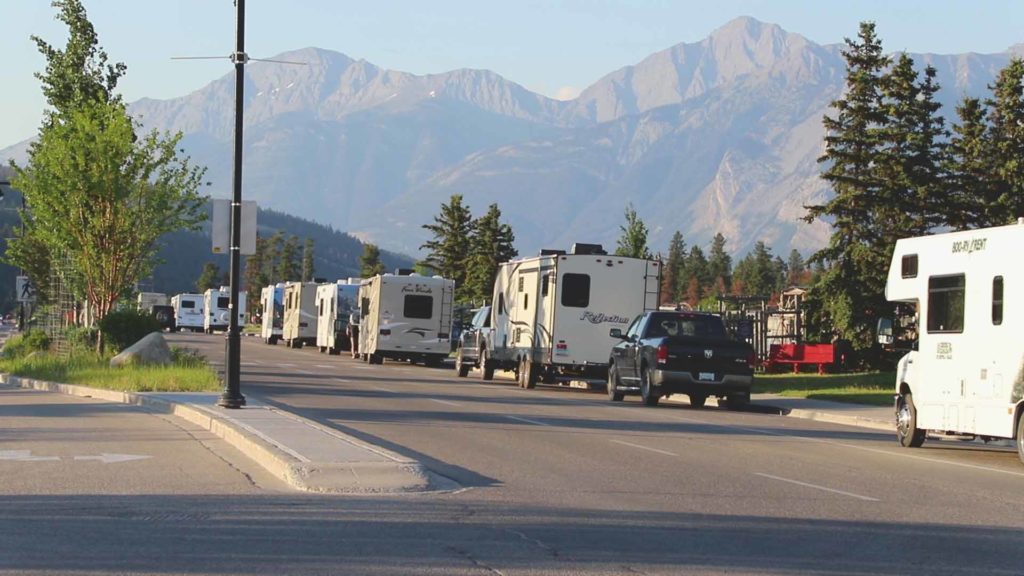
[287, 365]
[816, 487]
[527, 420]
[25, 456]
[666, 453]
[341, 380]
[304, 372]
[323, 366]
[379, 388]
[113, 458]
[444, 402]
[895, 454]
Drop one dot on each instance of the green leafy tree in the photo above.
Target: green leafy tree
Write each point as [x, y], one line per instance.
[209, 278]
[307, 260]
[672, 270]
[719, 266]
[369, 262]
[851, 289]
[492, 243]
[448, 251]
[633, 241]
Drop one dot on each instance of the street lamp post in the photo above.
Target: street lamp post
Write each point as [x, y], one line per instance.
[232, 395]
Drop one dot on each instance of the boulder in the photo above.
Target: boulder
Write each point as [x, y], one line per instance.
[152, 349]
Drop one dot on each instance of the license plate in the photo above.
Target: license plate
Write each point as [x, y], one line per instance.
[706, 376]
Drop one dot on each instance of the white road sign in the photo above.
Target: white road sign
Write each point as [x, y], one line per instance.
[26, 290]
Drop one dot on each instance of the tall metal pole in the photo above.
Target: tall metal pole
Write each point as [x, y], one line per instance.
[232, 396]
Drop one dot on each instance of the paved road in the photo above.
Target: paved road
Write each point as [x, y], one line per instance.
[555, 482]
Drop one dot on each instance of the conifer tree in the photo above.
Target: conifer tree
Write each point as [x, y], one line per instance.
[369, 262]
[1006, 134]
[307, 261]
[672, 270]
[448, 250]
[288, 266]
[969, 163]
[492, 243]
[209, 278]
[719, 266]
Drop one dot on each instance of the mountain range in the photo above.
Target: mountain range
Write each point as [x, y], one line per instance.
[721, 135]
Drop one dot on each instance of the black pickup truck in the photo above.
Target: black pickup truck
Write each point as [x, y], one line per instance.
[680, 352]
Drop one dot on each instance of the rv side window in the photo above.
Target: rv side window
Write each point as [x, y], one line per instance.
[364, 307]
[188, 304]
[544, 285]
[946, 303]
[526, 301]
[223, 301]
[997, 300]
[501, 303]
[520, 284]
[418, 306]
[908, 266]
[576, 290]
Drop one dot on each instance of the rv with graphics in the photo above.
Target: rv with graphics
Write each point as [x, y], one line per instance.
[217, 305]
[188, 312]
[551, 314]
[965, 376]
[146, 300]
[299, 326]
[272, 306]
[405, 316]
[335, 302]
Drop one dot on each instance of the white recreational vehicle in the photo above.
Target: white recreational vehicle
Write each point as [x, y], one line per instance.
[217, 304]
[551, 314]
[272, 318]
[188, 311]
[405, 317]
[147, 300]
[965, 376]
[299, 325]
[334, 303]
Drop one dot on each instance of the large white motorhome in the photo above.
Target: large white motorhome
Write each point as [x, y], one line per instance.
[147, 300]
[217, 304]
[272, 313]
[551, 314]
[405, 317]
[188, 311]
[334, 303]
[299, 326]
[965, 376]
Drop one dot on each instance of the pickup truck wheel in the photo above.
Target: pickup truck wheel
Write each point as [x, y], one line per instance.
[647, 393]
[737, 400]
[527, 374]
[486, 367]
[698, 400]
[461, 368]
[1020, 437]
[907, 432]
[613, 384]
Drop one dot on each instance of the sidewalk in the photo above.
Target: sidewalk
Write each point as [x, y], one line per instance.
[314, 458]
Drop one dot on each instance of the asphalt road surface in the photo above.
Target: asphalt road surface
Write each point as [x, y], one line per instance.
[554, 481]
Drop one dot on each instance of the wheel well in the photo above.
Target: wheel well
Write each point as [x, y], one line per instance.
[1016, 418]
[904, 388]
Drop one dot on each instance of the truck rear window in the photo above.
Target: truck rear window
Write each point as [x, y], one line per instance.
[576, 290]
[418, 306]
[686, 326]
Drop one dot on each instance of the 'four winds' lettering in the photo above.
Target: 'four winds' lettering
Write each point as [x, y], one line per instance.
[601, 318]
[417, 289]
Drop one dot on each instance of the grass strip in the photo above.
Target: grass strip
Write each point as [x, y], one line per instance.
[870, 388]
[186, 374]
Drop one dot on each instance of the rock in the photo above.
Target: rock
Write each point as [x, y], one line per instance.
[152, 349]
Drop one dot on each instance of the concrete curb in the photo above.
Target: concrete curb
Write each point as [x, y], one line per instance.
[838, 419]
[396, 475]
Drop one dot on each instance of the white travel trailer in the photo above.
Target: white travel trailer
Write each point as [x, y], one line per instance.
[551, 314]
[272, 318]
[406, 317]
[188, 311]
[299, 325]
[334, 303]
[147, 300]
[966, 374]
[217, 304]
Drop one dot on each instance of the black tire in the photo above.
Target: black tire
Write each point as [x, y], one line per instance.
[647, 393]
[461, 368]
[376, 358]
[613, 382]
[698, 400]
[907, 432]
[333, 351]
[486, 366]
[530, 377]
[321, 349]
[737, 400]
[1020, 437]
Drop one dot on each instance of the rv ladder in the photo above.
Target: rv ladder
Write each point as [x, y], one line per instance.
[652, 297]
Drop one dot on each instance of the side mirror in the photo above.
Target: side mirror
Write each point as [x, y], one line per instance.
[616, 333]
[884, 331]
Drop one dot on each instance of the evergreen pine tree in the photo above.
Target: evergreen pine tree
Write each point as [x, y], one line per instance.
[1006, 134]
[672, 270]
[369, 262]
[719, 266]
[209, 278]
[969, 163]
[492, 243]
[288, 266]
[448, 251]
[307, 261]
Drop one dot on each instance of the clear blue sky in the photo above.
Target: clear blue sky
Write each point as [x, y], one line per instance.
[555, 47]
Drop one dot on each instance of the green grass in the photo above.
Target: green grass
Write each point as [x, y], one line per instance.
[872, 388]
[187, 374]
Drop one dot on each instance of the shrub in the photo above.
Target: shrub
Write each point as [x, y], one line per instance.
[122, 328]
[26, 343]
[81, 339]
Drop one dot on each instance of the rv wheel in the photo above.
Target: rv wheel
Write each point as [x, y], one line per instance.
[907, 432]
[528, 374]
[486, 366]
[613, 384]
[1020, 437]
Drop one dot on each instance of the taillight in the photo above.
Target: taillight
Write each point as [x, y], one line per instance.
[662, 354]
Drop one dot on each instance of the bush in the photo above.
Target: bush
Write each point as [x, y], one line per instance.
[26, 343]
[81, 339]
[122, 328]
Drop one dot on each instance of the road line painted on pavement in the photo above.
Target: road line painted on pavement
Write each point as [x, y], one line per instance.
[287, 365]
[323, 366]
[444, 402]
[378, 388]
[666, 453]
[527, 420]
[341, 380]
[307, 372]
[816, 487]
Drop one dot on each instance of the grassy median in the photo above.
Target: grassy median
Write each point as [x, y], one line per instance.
[188, 372]
[872, 388]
